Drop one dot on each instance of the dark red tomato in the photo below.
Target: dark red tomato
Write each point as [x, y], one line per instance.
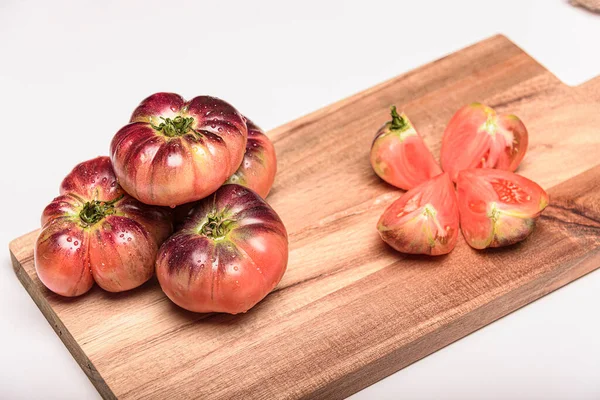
[94, 231]
[399, 155]
[176, 151]
[259, 166]
[229, 254]
[423, 220]
[477, 137]
[497, 208]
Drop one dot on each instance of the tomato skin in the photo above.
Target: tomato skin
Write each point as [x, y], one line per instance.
[399, 155]
[498, 208]
[423, 220]
[230, 270]
[259, 165]
[117, 251]
[160, 165]
[477, 137]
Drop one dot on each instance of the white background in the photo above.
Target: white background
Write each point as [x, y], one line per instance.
[71, 73]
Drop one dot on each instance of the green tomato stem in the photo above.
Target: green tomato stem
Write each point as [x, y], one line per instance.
[95, 210]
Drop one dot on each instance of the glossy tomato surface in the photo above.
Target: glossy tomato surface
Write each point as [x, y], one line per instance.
[497, 208]
[175, 151]
[477, 137]
[94, 231]
[231, 251]
[399, 155]
[423, 220]
[259, 165]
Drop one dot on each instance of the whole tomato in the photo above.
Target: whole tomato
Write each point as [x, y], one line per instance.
[94, 231]
[231, 251]
[175, 151]
[259, 166]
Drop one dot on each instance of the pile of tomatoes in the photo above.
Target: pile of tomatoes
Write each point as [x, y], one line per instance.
[182, 195]
[481, 149]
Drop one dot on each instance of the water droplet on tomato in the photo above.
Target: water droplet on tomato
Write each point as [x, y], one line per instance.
[173, 206]
[76, 243]
[69, 239]
[129, 239]
[104, 180]
[121, 235]
[220, 129]
[237, 283]
[235, 268]
[213, 126]
[173, 108]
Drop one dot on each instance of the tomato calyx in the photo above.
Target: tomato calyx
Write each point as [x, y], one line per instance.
[217, 226]
[95, 210]
[399, 121]
[177, 126]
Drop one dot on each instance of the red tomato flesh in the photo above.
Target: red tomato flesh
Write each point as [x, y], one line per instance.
[423, 220]
[497, 208]
[477, 137]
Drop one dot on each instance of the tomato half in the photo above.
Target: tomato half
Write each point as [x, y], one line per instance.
[231, 251]
[497, 208]
[477, 137]
[399, 155]
[175, 151]
[423, 220]
[259, 166]
[94, 231]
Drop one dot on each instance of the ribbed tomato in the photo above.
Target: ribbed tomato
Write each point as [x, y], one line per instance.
[399, 155]
[259, 166]
[175, 151]
[94, 231]
[477, 137]
[423, 220]
[497, 208]
[229, 254]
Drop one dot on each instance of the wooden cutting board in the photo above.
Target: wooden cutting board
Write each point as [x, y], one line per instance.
[351, 311]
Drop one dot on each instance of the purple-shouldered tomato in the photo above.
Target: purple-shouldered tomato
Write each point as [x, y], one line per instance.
[231, 251]
[95, 232]
[175, 151]
[259, 165]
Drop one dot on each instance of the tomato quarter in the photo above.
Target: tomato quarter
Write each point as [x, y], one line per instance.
[497, 208]
[399, 155]
[423, 220]
[477, 137]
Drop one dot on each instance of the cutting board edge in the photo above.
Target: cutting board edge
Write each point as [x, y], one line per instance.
[59, 328]
[462, 327]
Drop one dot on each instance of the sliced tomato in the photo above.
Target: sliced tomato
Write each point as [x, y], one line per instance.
[423, 220]
[497, 208]
[399, 155]
[477, 137]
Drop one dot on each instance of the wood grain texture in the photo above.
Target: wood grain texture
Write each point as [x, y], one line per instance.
[350, 310]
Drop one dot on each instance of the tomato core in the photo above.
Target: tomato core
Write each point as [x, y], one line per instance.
[177, 126]
[216, 227]
[95, 210]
